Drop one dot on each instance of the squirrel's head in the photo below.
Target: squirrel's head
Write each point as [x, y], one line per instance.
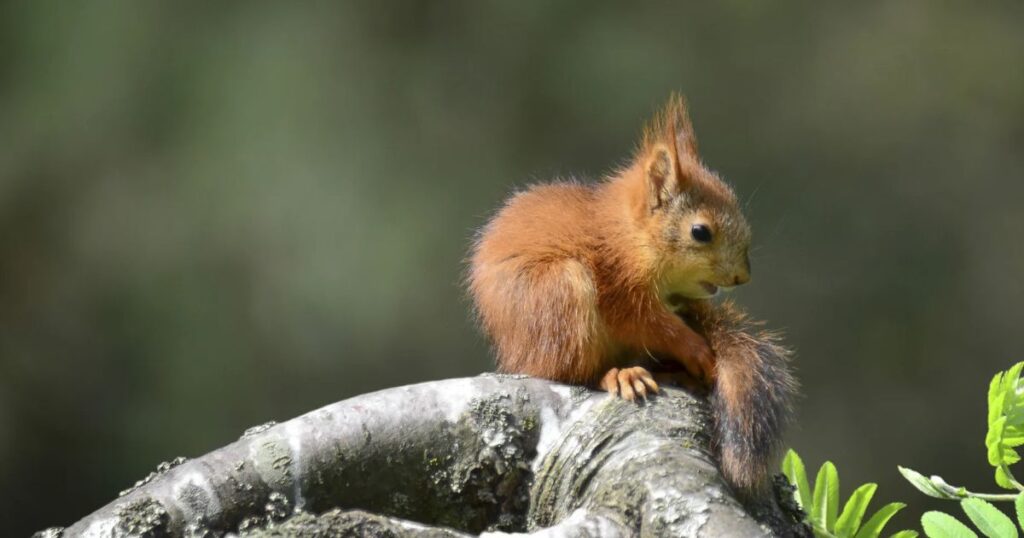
[693, 219]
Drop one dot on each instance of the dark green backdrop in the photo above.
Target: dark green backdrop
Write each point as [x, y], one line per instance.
[215, 216]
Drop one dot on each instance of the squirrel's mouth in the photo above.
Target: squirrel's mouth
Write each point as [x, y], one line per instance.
[701, 290]
[710, 288]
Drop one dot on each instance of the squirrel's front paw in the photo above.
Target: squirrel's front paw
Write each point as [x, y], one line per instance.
[699, 360]
[629, 382]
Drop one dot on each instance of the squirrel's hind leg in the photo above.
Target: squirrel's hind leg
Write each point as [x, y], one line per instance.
[542, 317]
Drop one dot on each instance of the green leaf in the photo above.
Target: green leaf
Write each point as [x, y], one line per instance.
[873, 528]
[1011, 377]
[941, 525]
[1019, 505]
[989, 520]
[1005, 421]
[853, 511]
[924, 484]
[995, 396]
[793, 468]
[905, 534]
[1015, 415]
[826, 497]
[1013, 437]
[1003, 479]
[1008, 387]
[994, 441]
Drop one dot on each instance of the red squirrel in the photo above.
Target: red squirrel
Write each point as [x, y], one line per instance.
[582, 283]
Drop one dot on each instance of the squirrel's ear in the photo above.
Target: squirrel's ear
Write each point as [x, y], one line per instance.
[677, 122]
[662, 176]
[668, 141]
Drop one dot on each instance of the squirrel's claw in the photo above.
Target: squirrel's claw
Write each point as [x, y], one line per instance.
[629, 383]
[610, 381]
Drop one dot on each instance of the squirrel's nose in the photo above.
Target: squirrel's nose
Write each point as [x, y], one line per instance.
[743, 275]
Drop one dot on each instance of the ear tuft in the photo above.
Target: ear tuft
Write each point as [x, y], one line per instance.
[668, 141]
[672, 126]
[681, 128]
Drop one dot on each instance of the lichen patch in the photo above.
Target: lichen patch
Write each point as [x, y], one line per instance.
[143, 518]
[161, 470]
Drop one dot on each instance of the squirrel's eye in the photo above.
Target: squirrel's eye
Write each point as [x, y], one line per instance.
[701, 233]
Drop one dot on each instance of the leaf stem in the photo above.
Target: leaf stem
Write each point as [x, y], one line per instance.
[1011, 478]
[1010, 497]
[962, 493]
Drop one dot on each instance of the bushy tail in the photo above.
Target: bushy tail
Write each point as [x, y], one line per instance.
[752, 399]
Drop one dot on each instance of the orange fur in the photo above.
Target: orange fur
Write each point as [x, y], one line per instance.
[572, 281]
[567, 277]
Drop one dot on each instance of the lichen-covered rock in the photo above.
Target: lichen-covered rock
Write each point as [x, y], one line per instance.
[492, 454]
[340, 524]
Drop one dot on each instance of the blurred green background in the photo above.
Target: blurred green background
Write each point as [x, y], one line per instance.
[216, 215]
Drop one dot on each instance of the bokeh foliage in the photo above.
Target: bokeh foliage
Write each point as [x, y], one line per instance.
[212, 215]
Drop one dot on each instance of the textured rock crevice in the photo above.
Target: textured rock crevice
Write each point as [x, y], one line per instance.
[498, 455]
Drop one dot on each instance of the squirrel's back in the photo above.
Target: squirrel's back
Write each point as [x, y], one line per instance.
[544, 222]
